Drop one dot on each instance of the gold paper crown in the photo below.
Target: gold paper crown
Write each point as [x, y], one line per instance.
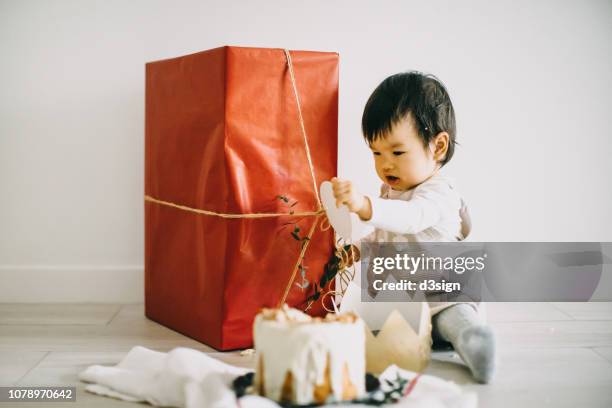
[397, 342]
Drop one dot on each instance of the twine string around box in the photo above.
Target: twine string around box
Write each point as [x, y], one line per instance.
[345, 274]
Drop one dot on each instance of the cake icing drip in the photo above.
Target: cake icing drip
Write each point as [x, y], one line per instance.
[323, 357]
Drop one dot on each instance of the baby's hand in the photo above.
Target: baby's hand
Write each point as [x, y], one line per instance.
[346, 194]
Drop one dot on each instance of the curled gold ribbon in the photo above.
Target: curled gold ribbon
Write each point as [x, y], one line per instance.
[346, 273]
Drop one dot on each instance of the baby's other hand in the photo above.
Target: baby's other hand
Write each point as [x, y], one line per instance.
[346, 194]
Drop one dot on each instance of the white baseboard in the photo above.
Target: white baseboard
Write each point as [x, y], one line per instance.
[71, 284]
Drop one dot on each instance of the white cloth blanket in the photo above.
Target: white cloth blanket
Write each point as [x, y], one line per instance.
[189, 378]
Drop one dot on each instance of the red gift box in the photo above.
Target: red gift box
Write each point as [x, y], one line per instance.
[232, 141]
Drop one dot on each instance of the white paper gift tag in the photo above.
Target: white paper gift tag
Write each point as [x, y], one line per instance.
[339, 218]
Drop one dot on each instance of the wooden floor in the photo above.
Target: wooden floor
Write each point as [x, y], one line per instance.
[553, 354]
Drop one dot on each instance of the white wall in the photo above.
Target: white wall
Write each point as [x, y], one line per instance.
[531, 82]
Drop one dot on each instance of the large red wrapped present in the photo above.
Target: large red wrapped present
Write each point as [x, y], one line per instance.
[237, 142]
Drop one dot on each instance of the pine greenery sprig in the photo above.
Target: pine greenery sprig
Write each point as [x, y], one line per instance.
[295, 234]
[331, 269]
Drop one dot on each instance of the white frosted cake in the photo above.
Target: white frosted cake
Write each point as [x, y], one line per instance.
[309, 360]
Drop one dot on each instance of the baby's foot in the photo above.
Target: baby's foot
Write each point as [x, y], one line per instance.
[476, 346]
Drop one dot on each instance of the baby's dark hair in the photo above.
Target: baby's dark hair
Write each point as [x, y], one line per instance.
[420, 96]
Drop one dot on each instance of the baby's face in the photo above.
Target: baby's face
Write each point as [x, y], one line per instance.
[401, 159]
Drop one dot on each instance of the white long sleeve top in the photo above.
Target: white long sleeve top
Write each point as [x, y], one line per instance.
[433, 211]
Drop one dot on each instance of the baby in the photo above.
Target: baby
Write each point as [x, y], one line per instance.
[409, 124]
